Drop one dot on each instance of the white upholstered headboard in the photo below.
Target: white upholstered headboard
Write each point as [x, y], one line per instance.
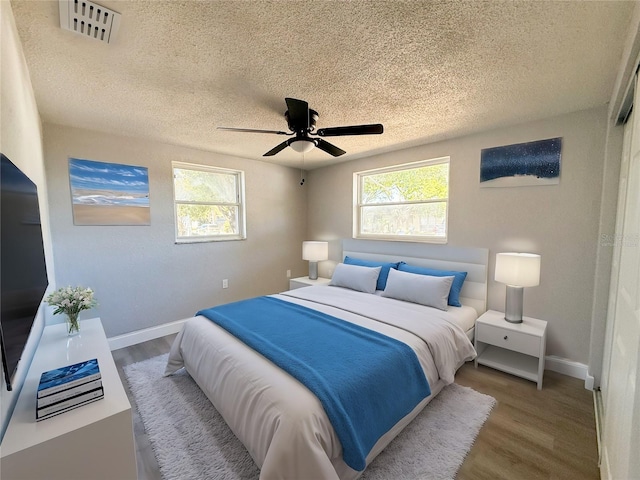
[474, 261]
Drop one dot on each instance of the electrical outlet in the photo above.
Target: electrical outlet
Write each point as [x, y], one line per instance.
[288, 273]
[225, 283]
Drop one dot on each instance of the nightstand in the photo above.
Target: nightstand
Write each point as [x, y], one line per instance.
[515, 348]
[307, 282]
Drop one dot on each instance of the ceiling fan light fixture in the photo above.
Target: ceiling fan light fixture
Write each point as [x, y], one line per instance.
[302, 145]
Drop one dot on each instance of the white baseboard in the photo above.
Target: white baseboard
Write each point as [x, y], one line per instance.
[139, 336]
[598, 409]
[568, 367]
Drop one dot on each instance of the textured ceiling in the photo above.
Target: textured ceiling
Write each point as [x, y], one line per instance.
[427, 70]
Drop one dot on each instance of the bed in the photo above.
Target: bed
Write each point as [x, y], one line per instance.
[283, 425]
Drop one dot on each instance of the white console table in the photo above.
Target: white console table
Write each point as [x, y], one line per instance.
[94, 441]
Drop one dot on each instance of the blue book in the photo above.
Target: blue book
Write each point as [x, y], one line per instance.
[63, 378]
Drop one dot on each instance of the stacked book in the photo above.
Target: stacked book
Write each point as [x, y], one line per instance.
[68, 387]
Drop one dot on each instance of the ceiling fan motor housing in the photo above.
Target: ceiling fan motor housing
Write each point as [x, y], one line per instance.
[313, 118]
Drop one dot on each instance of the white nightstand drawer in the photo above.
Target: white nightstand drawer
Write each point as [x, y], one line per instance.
[301, 282]
[511, 340]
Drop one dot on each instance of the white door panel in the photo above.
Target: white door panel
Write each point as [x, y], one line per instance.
[621, 439]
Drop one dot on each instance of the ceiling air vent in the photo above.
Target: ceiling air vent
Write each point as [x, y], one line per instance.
[89, 19]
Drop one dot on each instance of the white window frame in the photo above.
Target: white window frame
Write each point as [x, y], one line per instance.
[357, 203]
[239, 203]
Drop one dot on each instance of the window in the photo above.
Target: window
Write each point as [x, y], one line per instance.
[404, 202]
[209, 203]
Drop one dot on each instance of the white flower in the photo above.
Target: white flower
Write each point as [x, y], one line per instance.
[71, 300]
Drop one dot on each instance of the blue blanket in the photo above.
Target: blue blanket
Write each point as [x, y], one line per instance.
[365, 381]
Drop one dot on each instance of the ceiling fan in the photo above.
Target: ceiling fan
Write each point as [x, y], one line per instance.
[302, 123]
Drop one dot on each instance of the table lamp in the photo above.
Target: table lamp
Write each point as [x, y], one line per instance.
[517, 270]
[314, 252]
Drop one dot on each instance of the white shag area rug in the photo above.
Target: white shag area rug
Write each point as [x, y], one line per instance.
[191, 440]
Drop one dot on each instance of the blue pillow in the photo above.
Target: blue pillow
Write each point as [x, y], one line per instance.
[384, 272]
[456, 287]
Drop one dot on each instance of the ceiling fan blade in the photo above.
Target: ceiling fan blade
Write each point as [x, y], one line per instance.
[373, 129]
[252, 130]
[276, 149]
[298, 112]
[329, 148]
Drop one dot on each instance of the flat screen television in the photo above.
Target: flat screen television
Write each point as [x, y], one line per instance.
[23, 278]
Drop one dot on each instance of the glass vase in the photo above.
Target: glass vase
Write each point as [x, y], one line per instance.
[73, 324]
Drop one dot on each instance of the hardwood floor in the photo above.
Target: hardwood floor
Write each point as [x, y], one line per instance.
[530, 434]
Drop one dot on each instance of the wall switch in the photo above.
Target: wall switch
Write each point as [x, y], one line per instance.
[288, 273]
[225, 283]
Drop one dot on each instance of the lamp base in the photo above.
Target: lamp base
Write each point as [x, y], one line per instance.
[513, 304]
[313, 270]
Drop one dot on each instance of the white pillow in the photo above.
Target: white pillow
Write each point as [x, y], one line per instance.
[363, 279]
[423, 289]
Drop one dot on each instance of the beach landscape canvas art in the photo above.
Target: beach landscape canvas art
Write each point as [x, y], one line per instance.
[521, 164]
[109, 193]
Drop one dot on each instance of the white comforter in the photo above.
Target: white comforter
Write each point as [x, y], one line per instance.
[282, 424]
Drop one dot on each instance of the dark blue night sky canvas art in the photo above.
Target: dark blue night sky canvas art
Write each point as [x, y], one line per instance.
[521, 164]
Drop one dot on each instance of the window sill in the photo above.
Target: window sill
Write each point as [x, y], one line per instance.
[404, 238]
[180, 241]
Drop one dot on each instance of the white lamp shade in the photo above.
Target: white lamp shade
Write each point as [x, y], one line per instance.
[315, 251]
[518, 269]
[302, 146]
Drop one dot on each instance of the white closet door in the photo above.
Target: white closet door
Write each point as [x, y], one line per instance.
[615, 260]
[621, 439]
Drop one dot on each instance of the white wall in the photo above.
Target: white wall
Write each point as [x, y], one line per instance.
[21, 142]
[141, 277]
[560, 222]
